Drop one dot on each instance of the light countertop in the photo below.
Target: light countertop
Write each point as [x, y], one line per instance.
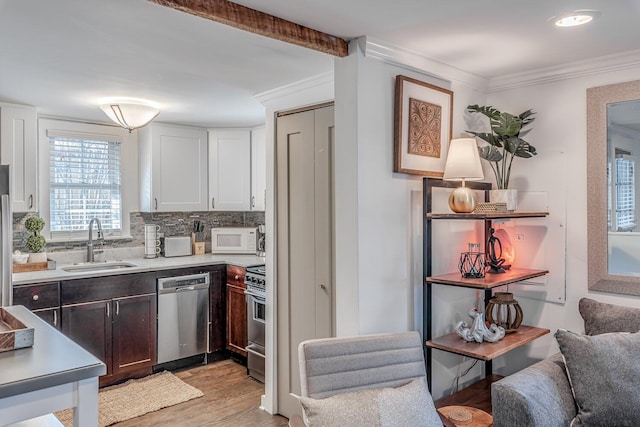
[141, 265]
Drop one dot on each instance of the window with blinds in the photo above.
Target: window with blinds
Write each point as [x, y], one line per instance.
[85, 183]
[625, 212]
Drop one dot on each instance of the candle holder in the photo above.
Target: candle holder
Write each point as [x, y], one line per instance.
[504, 310]
[472, 263]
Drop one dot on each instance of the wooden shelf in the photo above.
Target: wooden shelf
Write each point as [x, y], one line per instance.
[486, 216]
[476, 395]
[487, 350]
[489, 280]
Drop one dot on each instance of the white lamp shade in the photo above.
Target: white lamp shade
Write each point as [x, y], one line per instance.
[463, 161]
[129, 115]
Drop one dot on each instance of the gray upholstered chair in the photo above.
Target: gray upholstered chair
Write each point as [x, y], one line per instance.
[333, 366]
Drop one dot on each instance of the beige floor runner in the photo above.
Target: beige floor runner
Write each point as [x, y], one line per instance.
[137, 397]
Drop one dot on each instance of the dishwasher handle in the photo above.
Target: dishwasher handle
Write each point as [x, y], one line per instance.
[192, 282]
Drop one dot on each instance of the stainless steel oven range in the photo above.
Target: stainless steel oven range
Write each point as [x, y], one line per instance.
[255, 293]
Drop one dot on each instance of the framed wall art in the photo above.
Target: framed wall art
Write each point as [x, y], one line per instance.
[423, 127]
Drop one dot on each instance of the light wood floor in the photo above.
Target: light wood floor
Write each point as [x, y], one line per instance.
[231, 398]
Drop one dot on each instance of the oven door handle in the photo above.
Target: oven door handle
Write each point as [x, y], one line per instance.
[255, 295]
[250, 349]
[253, 301]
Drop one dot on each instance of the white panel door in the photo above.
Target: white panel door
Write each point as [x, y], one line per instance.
[179, 168]
[258, 169]
[229, 169]
[304, 147]
[18, 148]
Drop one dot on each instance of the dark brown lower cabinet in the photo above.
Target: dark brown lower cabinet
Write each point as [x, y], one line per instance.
[41, 298]
[217, 313]
[120, 328]
[89, 325]
[236, 320]
[134, 333]
[49, 315]
[236, 312]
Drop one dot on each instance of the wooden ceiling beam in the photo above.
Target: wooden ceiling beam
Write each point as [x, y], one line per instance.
[244, 18]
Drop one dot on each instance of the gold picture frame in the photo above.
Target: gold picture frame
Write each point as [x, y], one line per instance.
[422, 127]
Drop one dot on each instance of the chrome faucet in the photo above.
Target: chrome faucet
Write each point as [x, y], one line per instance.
[90, 251]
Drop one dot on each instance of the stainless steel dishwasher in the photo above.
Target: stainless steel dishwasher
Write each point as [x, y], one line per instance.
[183, 316]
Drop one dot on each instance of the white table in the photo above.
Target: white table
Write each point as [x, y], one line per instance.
[54, 374]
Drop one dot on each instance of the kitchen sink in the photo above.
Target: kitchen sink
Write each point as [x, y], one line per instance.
[97, 266]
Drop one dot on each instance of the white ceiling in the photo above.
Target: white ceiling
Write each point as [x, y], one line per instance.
[65, 55]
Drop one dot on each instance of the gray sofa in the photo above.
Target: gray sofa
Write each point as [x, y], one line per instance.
[541, 395]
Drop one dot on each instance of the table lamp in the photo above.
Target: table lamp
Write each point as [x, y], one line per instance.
[463, 164]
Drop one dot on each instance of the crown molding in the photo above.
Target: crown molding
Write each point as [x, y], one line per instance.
[404, 58]
[602, 64]
[322, 83]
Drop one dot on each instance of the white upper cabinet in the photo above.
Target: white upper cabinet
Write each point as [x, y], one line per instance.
[229, 169]
[258, 169]
[173, 168]
[18, 148]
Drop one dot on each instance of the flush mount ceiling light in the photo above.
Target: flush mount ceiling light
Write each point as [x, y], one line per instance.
[575, 18]
[130, 113]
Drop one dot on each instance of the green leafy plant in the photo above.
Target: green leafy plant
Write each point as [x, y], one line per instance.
[505, 141]
[35, 242]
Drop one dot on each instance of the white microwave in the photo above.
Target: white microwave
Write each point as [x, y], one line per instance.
[228, 240]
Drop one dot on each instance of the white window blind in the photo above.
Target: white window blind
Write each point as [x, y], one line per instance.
[85, 183]
[625, 194]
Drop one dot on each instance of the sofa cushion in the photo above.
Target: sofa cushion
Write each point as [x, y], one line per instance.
[601, 318]
[604, 372]
[408, 405]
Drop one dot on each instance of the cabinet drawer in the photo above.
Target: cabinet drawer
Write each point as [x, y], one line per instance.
[235, 276]
[104, 288]
[38, 296]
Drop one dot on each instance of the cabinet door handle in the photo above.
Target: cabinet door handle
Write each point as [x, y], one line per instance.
[108, 309]
[36, 297]
[236, 277]
[30, 201]
[155, 199]
[55, 317]
[253, 201]
[213, 203]
[117, 308]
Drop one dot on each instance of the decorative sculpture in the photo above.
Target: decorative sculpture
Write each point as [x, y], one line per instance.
[495, 260]
[478, 330]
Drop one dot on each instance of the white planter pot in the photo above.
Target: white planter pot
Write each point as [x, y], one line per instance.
[510, 197]
[38, 257]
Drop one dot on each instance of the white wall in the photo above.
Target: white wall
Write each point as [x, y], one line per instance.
[561, 123]
[382, 273]
[379, 277]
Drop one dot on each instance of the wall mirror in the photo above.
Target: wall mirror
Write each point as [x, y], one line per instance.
[613, 182]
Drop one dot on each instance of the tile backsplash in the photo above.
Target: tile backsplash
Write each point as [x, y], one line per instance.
[171, 224]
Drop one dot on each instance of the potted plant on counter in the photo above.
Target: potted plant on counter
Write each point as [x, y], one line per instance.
[505, 143]
[35, 242]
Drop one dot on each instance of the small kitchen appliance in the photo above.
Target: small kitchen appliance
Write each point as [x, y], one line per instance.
[230, 240]
[175, 246]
